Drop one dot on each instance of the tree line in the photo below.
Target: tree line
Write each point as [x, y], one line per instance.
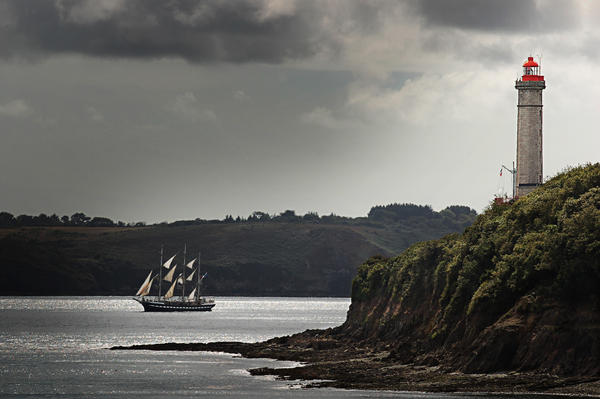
[379, 214]
[77, 219]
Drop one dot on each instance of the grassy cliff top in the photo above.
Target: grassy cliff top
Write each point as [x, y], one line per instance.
[523, 270]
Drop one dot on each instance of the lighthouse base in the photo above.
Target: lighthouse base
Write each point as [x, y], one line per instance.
[524, 189]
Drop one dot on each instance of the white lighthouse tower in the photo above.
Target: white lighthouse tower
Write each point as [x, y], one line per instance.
[529, 128]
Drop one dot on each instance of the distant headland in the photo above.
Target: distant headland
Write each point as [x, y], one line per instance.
[261, 255]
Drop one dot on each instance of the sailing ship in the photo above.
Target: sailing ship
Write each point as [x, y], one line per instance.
[193, 302]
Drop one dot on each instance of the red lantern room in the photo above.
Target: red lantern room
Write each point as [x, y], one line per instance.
[531, 70]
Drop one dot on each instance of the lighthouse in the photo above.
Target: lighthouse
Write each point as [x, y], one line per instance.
[529, 128]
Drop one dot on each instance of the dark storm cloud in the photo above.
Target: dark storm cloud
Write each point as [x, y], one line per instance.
[462, 47]
[199, 31]
[499, 15]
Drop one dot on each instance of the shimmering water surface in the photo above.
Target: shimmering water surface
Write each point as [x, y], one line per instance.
[56, 347]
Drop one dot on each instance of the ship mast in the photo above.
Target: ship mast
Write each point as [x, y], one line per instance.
[183, 273]
[160, 267]
[198, 280]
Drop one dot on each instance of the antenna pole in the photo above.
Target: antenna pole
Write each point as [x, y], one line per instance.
[514, 176]
[514, 180]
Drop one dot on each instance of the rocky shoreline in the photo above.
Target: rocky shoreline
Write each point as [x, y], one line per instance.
[331, 362]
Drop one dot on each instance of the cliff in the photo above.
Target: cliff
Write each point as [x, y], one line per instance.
[518, 290]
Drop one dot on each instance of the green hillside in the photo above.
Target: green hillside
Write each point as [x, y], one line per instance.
[519, 290]
[288, 255]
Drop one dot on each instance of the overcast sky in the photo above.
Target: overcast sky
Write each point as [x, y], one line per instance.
[160, 110]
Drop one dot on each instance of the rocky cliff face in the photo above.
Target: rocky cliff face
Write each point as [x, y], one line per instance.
[519, 290]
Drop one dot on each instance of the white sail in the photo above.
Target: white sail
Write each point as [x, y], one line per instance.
[192, 294]
[167, 264]
[169, 276]
[180, 280]
[144, 286]
[190, 264]
[191, 276]
[147, 291]
[171, 291]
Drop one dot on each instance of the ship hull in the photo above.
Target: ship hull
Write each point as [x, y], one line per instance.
[175, 306]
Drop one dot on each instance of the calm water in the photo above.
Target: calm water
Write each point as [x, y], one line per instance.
[56, 347]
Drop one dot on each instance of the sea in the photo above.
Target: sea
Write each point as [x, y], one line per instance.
[57, 347]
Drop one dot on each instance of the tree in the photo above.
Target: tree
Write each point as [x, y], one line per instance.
[7, 219]
[288, 216]
[261, 216]
[24, 220]
[54, 220]
[311, 217]
[41, 220]
[332, 218]
[461, 210]
[101, 222]
[395, 212]
[79, 219]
